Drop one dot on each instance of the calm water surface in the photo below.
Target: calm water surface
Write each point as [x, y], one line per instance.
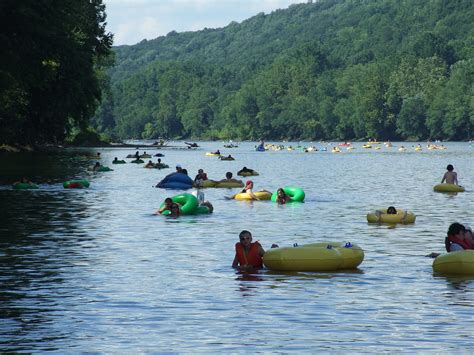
[94, 270]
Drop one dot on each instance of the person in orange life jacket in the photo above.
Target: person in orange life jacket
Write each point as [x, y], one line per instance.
[248, 255]
[459, 238]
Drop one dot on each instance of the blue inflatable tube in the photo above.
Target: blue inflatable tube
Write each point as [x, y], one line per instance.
[176, 181]
[174, 185]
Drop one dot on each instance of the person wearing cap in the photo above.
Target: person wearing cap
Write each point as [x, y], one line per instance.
[179, 169]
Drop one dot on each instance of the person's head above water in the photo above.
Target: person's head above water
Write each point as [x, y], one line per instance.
[450, 167]
[228, 175]
[249, 184]
[245, 237]
[391, 210]
[456, 228]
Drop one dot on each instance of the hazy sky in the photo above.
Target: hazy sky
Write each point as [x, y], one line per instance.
[134, 20]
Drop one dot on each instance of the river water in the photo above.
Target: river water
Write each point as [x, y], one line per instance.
[94, 270]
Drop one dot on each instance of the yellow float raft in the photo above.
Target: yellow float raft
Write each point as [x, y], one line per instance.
[261, 195]
[448, 188]
[329, 256]
[457, 262]
[391, 218]
[206, 183]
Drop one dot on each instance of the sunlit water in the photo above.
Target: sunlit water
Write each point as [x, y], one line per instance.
[94, 270]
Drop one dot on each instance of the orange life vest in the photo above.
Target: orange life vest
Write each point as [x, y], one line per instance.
[464, 243]
[252, 258]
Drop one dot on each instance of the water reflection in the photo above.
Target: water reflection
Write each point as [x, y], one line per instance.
[75, 264]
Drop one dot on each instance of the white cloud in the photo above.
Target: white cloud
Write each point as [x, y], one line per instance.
[133, 20]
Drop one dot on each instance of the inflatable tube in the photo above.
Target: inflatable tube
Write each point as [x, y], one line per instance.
[119, 162]
[448, 188]
[76, 184]
[260, 148]
[248, 173]
[335, 150]
[139, 161]
[105, 168]
[229, 184]
[296, 194]
[262, 195]
[366, 146]
[457, 262]
[205, 184]
[24, 186]
[391, 218]
[203, 210]
[145, 156]
[188, 204]
[209, 154]
[175, 185]
[330, 256]
[176, 181]
[226, 158]
[161, 166]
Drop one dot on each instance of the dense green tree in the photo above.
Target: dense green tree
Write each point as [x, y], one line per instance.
[50, 52]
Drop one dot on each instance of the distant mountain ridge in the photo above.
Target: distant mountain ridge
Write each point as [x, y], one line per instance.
[345, 64]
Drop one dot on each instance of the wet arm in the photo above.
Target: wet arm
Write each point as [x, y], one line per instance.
[235, 263]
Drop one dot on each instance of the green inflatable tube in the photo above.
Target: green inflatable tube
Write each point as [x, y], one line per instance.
[203, 210]
[188, 204]
[296, 194]
[76, 184]
[119, 162]
[139, 161]
[24, 186]
[105, 168]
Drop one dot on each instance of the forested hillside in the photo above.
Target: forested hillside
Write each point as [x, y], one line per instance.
[333, 69]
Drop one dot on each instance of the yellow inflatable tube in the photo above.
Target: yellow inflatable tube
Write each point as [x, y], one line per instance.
[329, 256]
[261, 195]
[448, 188]
[206, 183]
[457, 262]
[391, 218]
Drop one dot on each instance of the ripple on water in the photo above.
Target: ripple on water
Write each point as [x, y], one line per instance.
[94, 270]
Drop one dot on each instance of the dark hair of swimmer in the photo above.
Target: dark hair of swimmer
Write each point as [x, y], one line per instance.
[455, 228]
[244, 233]
[391, 210]
[450, 167]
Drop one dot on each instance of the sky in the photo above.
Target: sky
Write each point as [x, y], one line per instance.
[134, 20]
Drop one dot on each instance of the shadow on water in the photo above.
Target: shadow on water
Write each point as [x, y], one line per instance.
[39, 235]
